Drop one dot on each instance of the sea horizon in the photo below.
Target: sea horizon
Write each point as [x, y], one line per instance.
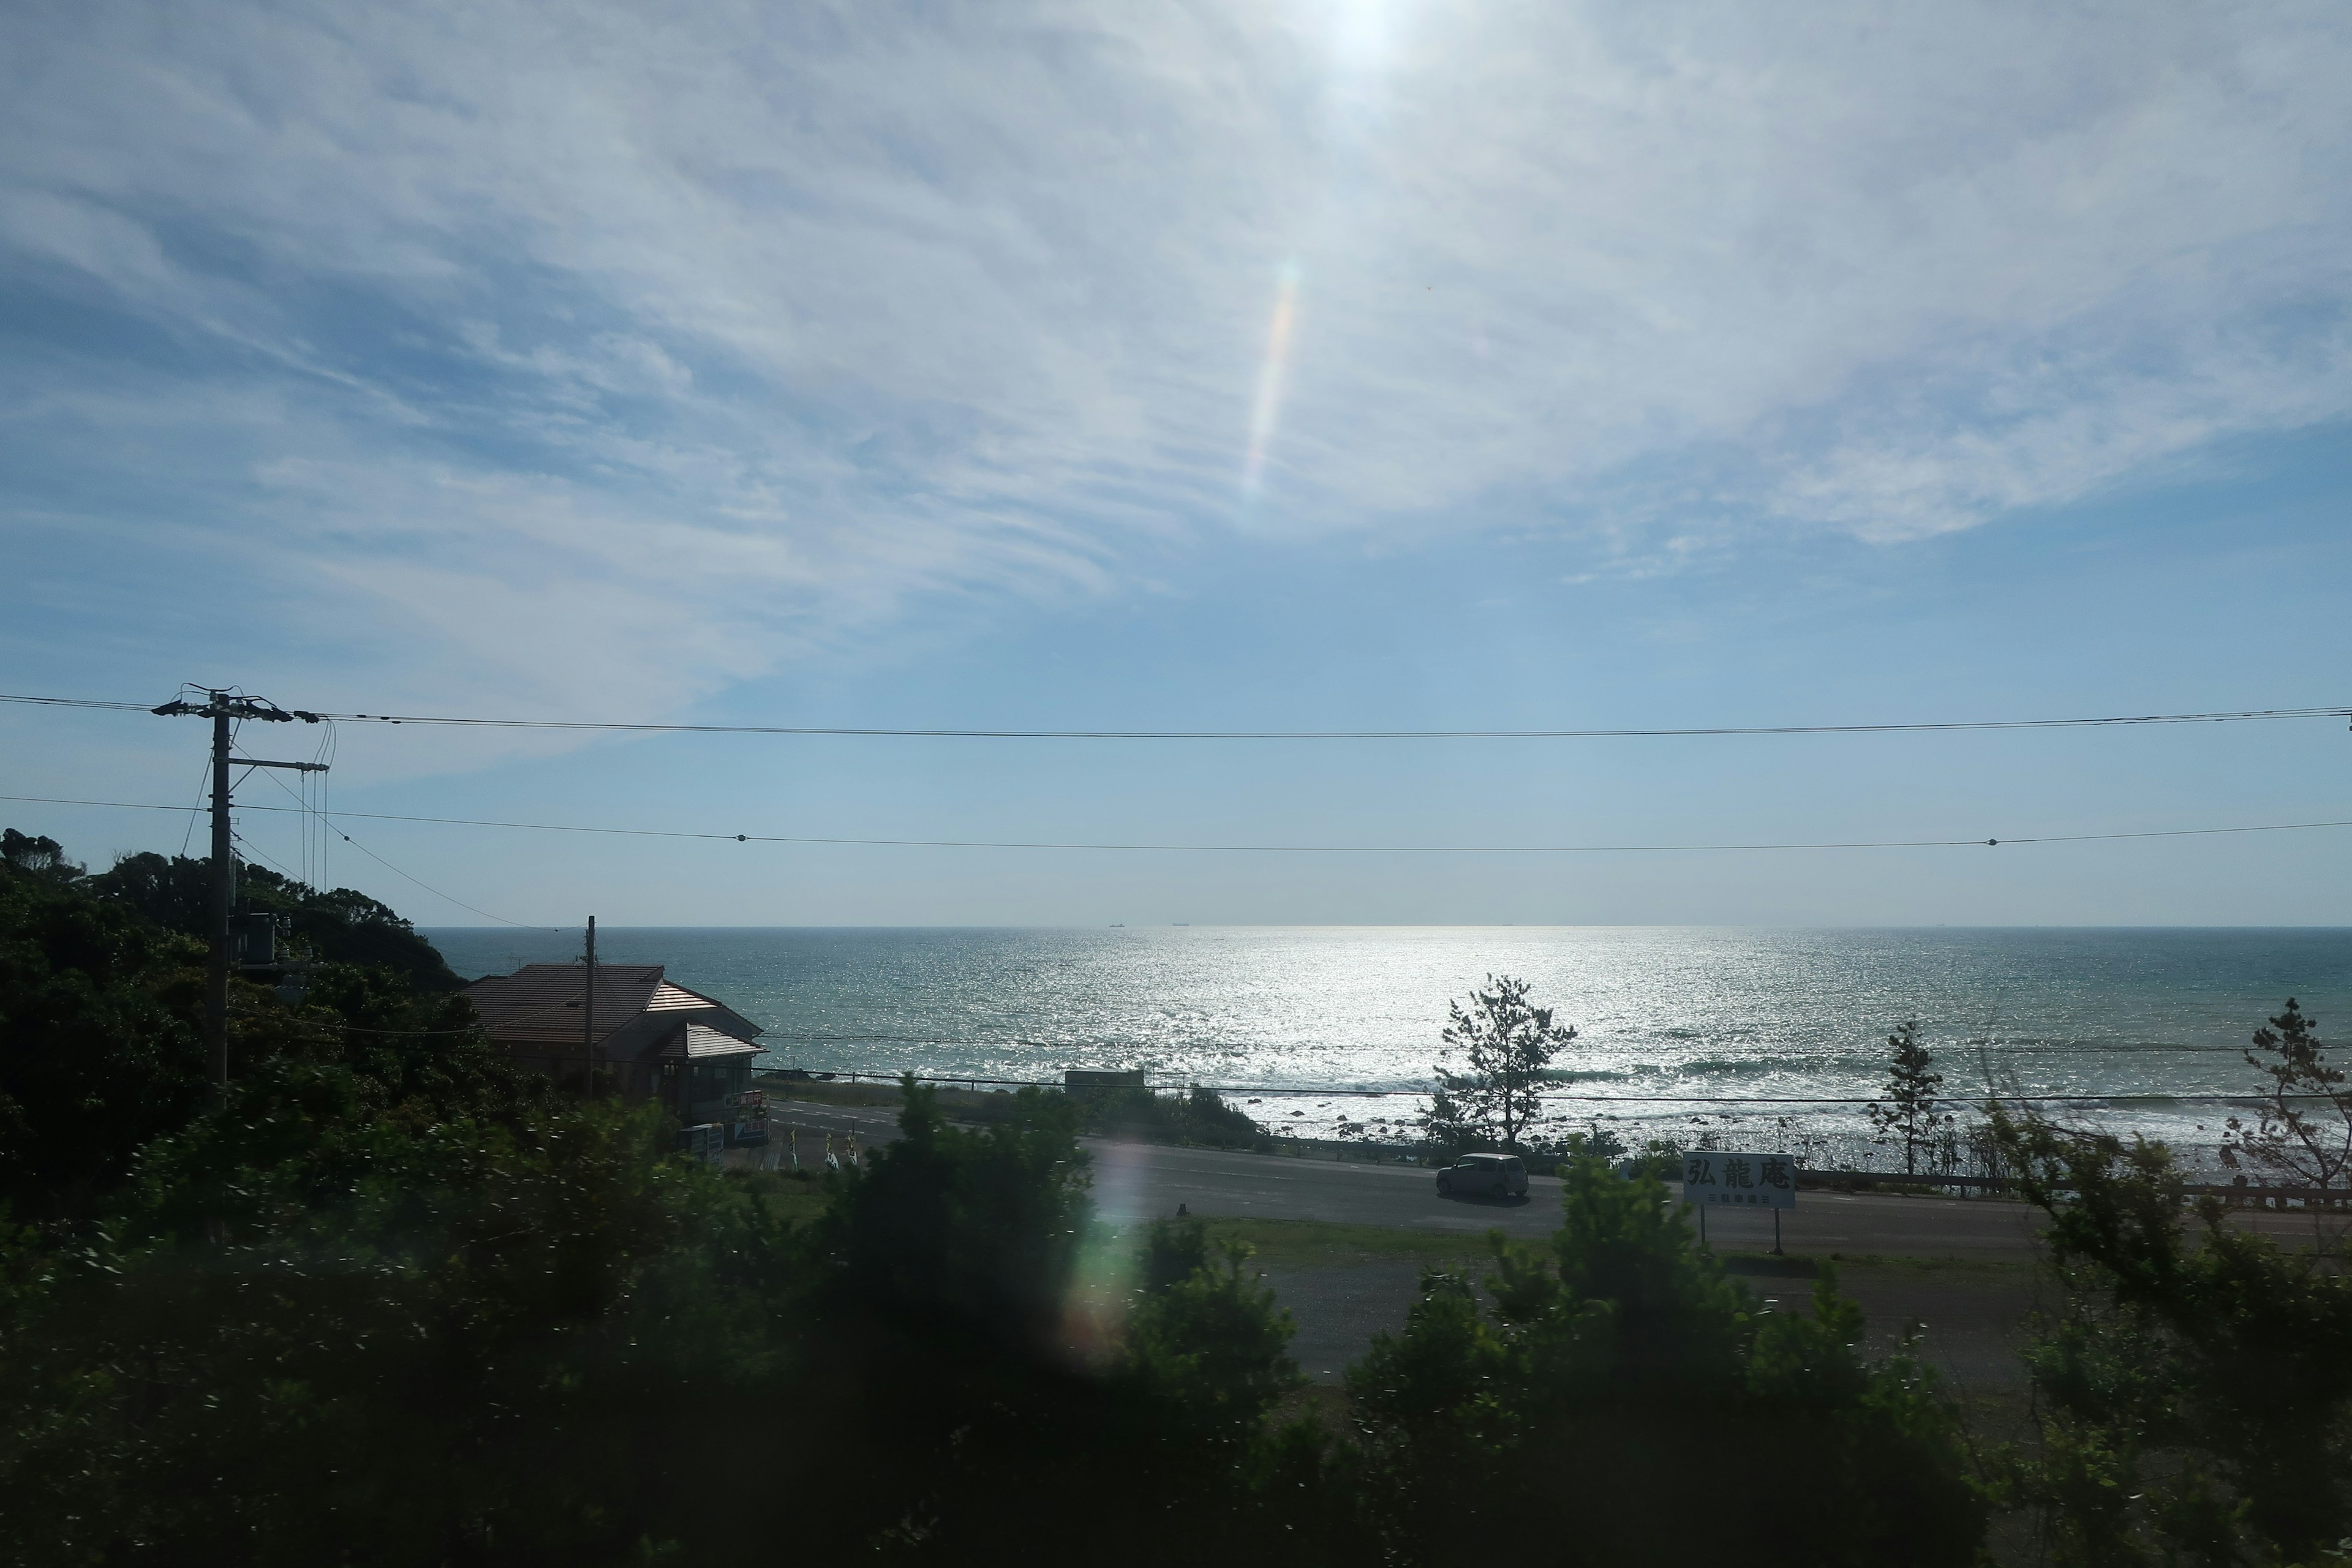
[1680, 1028]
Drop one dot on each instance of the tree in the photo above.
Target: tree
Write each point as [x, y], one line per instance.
[344, 926]
[2304, 1127]
[971, 1353]
[2195, 1390]
[1909, 1114]
[1624, 1362]
[1205, 1338]
[100, 1048]
[1505, 1043]
[37, 856]
[1198, 1116]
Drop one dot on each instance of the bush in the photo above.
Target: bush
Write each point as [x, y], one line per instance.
[2196, 1386]
[1198, 1116]
[100, 1047]
[345, 926]
[1618, 1369]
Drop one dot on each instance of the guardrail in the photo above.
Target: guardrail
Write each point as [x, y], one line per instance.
[2007, 1183]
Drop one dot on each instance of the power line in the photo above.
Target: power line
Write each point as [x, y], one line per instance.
[842, 1037]
[436, 893]
[204, 777]
[255, 852]
[296, 1018]
[326, 826]
[80, 702]
[876, 731]
[1265, 1091]
[1249, 849]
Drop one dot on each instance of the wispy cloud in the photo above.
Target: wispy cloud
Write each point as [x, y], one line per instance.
[740, 329]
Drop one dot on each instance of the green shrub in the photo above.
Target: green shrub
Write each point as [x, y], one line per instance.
[1198, 1116]
[2195, 1387]
[1622, 1400]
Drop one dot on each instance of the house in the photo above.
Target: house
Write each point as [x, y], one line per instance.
[654, 1040]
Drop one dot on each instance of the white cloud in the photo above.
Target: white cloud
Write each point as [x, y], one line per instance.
[739, 327]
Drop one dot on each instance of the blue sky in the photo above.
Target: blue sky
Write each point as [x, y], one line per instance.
[1297, 365]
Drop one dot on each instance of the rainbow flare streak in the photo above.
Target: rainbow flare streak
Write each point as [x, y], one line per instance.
[1273, 376]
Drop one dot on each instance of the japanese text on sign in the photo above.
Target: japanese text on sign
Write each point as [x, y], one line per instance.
[1752, 1181]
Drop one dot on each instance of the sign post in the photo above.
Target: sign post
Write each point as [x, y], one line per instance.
[1720, 1178]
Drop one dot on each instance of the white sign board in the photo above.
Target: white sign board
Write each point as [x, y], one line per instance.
[1746, 1181]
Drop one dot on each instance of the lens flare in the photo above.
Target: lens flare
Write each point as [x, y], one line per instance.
[1273, 376]
[1093, 1314]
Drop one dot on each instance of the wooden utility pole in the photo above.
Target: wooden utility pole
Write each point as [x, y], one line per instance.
[224, 900]
[222, 707]
[588, 1019]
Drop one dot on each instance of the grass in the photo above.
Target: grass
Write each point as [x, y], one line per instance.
[1309, 1243]
[795, 1196]
[1986, 1269]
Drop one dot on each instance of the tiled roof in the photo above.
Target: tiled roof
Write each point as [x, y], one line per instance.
[669, 998]
[542, 1001]
[700, 1040]
[540, 1004]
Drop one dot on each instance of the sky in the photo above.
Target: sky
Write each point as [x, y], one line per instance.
[1297, 365]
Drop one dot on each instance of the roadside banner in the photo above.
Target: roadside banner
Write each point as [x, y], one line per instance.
[1716, 1179]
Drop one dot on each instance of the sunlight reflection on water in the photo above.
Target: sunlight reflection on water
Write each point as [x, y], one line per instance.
[1751, 1013]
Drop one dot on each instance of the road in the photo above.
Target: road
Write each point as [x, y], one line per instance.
[1976, 1315]
[1134, 1181]
[1137, 1181]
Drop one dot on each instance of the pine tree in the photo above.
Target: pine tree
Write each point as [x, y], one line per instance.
[1909, 1114]
[1505, 1043]
[2303, 1130]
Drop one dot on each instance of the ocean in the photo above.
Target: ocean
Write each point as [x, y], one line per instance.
[1740, 1032]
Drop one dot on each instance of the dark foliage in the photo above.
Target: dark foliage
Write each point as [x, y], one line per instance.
[341, 926]
[2196, 1385]
[42, 858]
[967, 1236]
[1622, 1363]
[388, 1300]
[1198, 1116]
[974, 1355]
[100, 1046]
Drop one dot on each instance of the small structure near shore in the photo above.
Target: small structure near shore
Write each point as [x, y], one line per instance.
[1077, 1082]
[653, 1039]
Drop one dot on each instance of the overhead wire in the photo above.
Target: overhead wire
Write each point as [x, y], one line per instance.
[253, 850]
[298, 1020]
[329, 826]
[1271, 1092]
[881, 732]
[875, 732]
[1246, 849]
[520, 925]
[203, 781]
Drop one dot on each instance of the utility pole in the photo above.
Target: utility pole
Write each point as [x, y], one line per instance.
[223, 902]
[221, 708]
[588, 1020]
